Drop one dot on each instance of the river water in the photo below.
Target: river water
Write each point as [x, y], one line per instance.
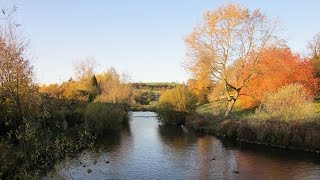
[147, 150]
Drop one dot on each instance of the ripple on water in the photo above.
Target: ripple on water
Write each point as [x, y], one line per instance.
[147, 150]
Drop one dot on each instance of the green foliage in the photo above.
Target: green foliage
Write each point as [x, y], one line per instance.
[317, 106]
[104, 117]
[212, 110]
[95, 89]
[38, 150]
[316, 63]
[145, 98]
[164, 84]
[170, 117]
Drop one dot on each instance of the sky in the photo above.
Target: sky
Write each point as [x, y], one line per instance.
[142, 38]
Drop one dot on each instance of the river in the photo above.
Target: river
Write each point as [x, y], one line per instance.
[147, 150]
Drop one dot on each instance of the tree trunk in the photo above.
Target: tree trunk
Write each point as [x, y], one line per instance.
[231, 103]
[229, 107]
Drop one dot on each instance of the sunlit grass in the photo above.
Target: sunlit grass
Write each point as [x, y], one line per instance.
[317, 107]
[214, 111]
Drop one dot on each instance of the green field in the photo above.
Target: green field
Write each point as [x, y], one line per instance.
[161, 83]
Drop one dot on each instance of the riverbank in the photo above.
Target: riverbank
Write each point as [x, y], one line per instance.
[69, 127]
[294, 135]
[175, 152]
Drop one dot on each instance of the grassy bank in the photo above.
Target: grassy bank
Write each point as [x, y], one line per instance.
[241, 126]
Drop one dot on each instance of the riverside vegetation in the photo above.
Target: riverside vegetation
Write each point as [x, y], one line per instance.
[41, 125]
[253, 89]
[246, 84]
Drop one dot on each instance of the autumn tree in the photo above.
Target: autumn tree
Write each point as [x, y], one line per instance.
[279, 67]
[114, 87]
[18, 93]
[82, 88]
[54, 90]
[230, 36]
[200, 83]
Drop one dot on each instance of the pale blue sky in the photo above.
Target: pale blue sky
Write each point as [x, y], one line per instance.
[141, 37]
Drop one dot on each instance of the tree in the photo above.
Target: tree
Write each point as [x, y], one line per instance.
[95, 89]
[6, 13]
[85, 86]
[279, 67]
[114, 88]
[18, 93]
[178, 99]
[314, 47]
[85, 69]
[53, 90]
[201, 83]
[229, 40]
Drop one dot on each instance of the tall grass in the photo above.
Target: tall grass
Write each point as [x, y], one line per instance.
[104, 117]
[289, 103]
[285, 118]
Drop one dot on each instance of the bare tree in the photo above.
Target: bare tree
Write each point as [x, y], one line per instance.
[85, 69]
[8, 12]
[314, 47]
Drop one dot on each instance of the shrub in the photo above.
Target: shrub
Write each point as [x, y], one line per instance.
[179, 99]
[288, 103]
[41, 151]
[196, 121]
[103, 117]
[175, 104]
[298, 134]
[75, 117]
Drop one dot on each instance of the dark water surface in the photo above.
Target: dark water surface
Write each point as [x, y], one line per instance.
[148, 150]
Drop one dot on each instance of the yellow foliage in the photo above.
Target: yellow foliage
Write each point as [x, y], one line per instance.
[114, 88]
[178, 99]
[225, 47]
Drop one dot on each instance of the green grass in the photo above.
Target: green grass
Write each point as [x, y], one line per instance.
[216, 110]
[317, 104]
[142, 90]
[209, 109]
[205, 109]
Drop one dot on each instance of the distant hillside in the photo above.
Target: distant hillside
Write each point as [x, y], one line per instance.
[154, 85]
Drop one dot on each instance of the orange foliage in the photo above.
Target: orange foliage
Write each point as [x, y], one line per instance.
[278, 67]
[52, 89]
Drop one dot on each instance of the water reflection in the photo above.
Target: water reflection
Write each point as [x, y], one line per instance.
[176, 137]
[146, 150]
